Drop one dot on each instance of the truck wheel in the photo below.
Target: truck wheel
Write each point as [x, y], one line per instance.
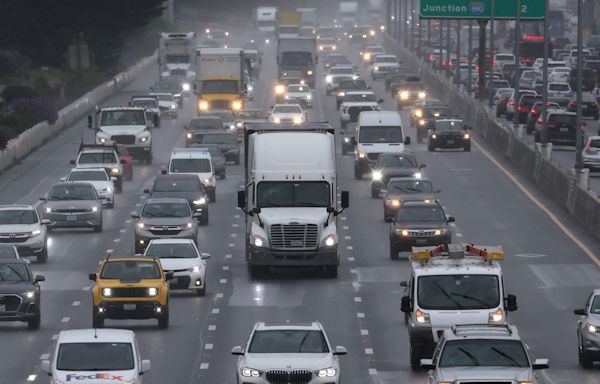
[97, 321]
[584, 360]
[357, 172]
[148, 158]
[415, 359]
[34, 323]
[43, 256]
[467, 148]
[204, 220]
[331, 271]
[374, 192]
[163, 320]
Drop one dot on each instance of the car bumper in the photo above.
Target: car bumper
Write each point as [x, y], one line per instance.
[142, 310]
[449, 143]
[263, 380]
[591, 343]
[142, 238]
[275, 258]
[26, 310]
[406, 243]
[591, 162]
[31, 246]
[74, 221]
[139, 151]
[187, 280]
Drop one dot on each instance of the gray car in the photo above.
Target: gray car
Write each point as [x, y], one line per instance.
[72, 205]
[162, 218]
[588, 330]
[217, 158]
[225, 141]
[21, 226]
[20, 293]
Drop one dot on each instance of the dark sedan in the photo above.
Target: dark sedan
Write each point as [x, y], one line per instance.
[401, 189]
[589, 106]
[390, 165]
[449, 134]
[19, 293]
[186, 187]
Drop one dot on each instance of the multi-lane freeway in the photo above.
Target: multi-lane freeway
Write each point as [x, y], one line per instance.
[546, 265]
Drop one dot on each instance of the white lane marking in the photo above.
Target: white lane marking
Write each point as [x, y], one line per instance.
[110, 250]
[116, 240]
[215, 311]
[86, 288]
[236, 216]
[223, 281]
[76, 303]
[368, 351]
[453, 224]
[357, 299]
[31, 377]
[372, 371]
[208, 346]
[351, 259]
[349, 247]
[360, 315]
[231, 245]
[212, 327]
[353, 270]
[364, 332]
[529, 255]
[235, 225]
[65, 319]
[459, 235]
[44, 356]
[345, 227]
[204, 365]
[461, 169]
[343, 218]
[226, 267]
[138, 204]
[128, 221]
[228, 256]
[356, 284]
[219, 296]
[348, 237]
[123, 230]
[233, 234]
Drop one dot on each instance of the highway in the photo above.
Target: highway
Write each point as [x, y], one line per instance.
[549, 273]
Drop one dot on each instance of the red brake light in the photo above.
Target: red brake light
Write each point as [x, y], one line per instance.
[511, 102]
[551, 125]
[534, 111]
[521, 108]
[540, 120]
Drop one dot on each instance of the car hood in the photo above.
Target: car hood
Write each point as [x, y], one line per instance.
[18, 228]
[288, 361]
[7, 287]
[409, 196]
[123, 129]
[94, 377]
[486, 373]
[70, 204]
[179, 263]
[285, 215]
[427, 225]
[158, 221]
[189, 196]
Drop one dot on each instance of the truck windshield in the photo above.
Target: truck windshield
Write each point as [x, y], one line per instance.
[190, 166]
[452, 292]
[380, 134]
[123, 117]
[296, 59]
[287, 29]
[485, 353]
[178, 59]
[220, 86]
[292, 194]
[95, 357]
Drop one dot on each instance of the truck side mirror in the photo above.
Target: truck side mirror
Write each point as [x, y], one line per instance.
[407, 140]
[156, 121]
[90, 122]
[353, 140]
[72, 162]
[241, 199]
[345, 199]
[405, 304]
[511, 303]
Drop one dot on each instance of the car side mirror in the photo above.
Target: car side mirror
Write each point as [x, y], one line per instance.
[43, 198]
[168, 275]
[345, 199]
[404, 284]
[451, 219]
[45, 222]
[380, 101]
[407, 140]
[163, 171]
[580, 312]
[38, 278]
[339, 350]
[146, 366]
[92, 276]
[123, 161]
[45, 367]
[405, 305]
[72, 162]
[353, 140]
[90, 122]
[241, 199]
[237, 350]
[146, 190]
[426, 364]
[541, 364]
[511, 303]
[135, 215]
[422, 166]
[204, 255]
[63, 179]
[185, 127]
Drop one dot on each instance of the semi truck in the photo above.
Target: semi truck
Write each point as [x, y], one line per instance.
[375, 12]
[298, 54]
[348, 13]
[266, 19]
[309, 21]
[288, 24]
[177, 55]
[221, 81]
[290, 197]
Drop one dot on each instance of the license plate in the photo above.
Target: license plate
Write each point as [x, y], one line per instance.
[2, 308]
[71, 218]
[563, 129]
[450, 141]
[421, 241]
[129, 307]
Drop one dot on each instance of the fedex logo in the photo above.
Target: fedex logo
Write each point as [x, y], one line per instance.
[96, 376]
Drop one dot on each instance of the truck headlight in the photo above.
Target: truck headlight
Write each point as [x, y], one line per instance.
[422, 95]
[189, 135]
[421, 317]
[200, 201]
[404, 95]
[341, 94]
[250, 372]
[329, 79]
[327, 372]
[236, 105]
[186, 87]
[115, 171]
[377, 175]
[276, 120]
[152, 291]
[361, 155]
[48, 210]
[143, 139]
[203, 105]
[309, 72]
[329, 241]
[496, 317]
[259, 242]
[106, 292]
[279, 89]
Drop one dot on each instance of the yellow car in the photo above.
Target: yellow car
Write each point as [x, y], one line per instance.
[130, 288]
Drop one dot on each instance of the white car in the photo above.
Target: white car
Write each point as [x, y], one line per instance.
[151, 105]
[335, 75]
[20, 225]
[286, 353]
[167, 104]
[355, 102]
[94, 356]
[184, 260]
[559, 74]
[287, 114]
[369, 54]
[382, 65]
[502, 58]
[591, 153]
[299, 93]
[195, 161]
[98, 177]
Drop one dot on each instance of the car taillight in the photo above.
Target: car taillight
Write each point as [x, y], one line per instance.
[521, 108]
[511, 102]
[551, 125]
[571, 105]
[534, 111]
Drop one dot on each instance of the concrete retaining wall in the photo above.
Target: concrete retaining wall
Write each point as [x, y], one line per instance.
[36, 136]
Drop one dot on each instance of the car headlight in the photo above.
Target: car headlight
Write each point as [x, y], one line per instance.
[327, 372]
[434, 136]
[346, 139]
[286, 97]
[321, 48]
[279, 89]
[421, 317]
[107, 292]
[377, 175]
[592, 328]
[107, 189]
[372, 33]
[367, 56]
[404, 95]
[329, 79]
[144, 139]
[496, 317]
[376, 68]
[402, 232]
[393, 203]
[207, 180]
[189, 225]
[362, 155]
[115, 171]
[422, 95]
[239, 124]
[250, 372]
[94, 209]
[141, 225]
[195, 269]
[48, 210]
[418, 175]
[276, 120]
[189, 135]
[329, 241]
[203, 104]
[259, 242]
[308, 97]
[467, 136]
[333, 47]
[152, 291]
[29, 294]
[236, 105]
[102, 140]
[419, 113]
[200, 201]
[36, 232]
[297, 120]
[341, 94]
[250, 88]
[186, 87]
[177, 95]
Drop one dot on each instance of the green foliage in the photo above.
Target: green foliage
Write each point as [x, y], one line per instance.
[13, 92]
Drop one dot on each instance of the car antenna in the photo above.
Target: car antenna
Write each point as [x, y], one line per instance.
[95, 333]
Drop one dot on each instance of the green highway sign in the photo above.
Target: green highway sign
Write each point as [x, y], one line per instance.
[480, 9]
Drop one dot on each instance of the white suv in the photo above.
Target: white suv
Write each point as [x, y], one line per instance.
[286, 353]
[20, 226]
[195, 161]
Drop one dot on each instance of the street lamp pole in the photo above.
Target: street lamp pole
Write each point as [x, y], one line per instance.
[491, 62]
[579, 133]
[517, 73]
[544, 136]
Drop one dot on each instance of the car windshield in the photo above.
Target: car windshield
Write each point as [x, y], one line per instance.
[397, 161]
[206, 123]
[14, 272]
[190, 166]
[178, 185]
[97, 158]
[341, 71]
[164, 209]
[298, 89]
[505, 57]
[386, 59]
[172, 251]
[595, 308]
[559, 87]
[410, 186]
[482, 352]
[250, 114]
[380, 134]
[354, 84]
[216, 138]
[144, 103]
[225, 116]
[452, 292]
[358, 98]
[167, 86]
[88, 176]
[594, 143]
[18, 216]
[292, 194]
[287, 109]
[288, 341]
[95, 357]
[530, 74]
[165, 97]
[421, 213]
[123, 117]
[437, 112]
[446, 125]
[220, 86]
[72, 192]
[130, 270]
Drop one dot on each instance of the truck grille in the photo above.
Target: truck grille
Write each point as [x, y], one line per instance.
[483, 382]
[421, 233]
[123, 139]
[129, 292]
[74, 210]
[11, 302]
[292, 377]
[294, 236]
[373, 156]
[177, 72]
[219, 104]
[355, 111]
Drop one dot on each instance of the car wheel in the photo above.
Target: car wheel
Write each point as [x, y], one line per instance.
[584, 360]
[43, 256]
[393, 252]
[98, 228]
[204, 220]
[148, 158]
[374, 192]
[415, 359]
[331, 271]
[467, 148]
[34, 323]
[357, 173]
[119, 185]
[163, 320]
[97, 321]
[212, 195]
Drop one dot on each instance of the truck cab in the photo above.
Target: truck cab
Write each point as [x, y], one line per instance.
[176, 55]
[450, 285]
[124, 125]
[222, 82]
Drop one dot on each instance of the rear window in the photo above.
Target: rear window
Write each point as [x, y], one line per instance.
[559, 87]
[562, 119]
[529, 100]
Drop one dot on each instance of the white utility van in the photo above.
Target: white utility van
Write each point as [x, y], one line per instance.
[195, 161]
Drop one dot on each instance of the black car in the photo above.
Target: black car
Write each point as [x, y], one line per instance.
[183, 186]
[588, 80]
[524, 106]
[534, 114]
[390, 165]
[19, 293]
[449, 134]
[401, 189]
[589, 106]
[419, 224]
[225, 141]
[561, 128]
[429, 115]
[349, 86]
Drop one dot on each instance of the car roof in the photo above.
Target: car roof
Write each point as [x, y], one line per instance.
[484, 331]
[373, 118]
[155, 200]
[189, 153]
[263, 326]
[92, 335]
[171, 241]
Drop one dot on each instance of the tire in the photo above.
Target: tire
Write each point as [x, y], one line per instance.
[584, 360]
[430, 148]
[415, 359]
[374, 192]
[111, 205]
[163, 320]
[331, 271]
[467, 148]
[256, 271]
[212, 195]
[35, 322]
[97, 321]
[357, 173]
[393, 252]
[201, 292]
[148, 158]
[98, 228]
[43, 256]
[119, 185]
[203, 220]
